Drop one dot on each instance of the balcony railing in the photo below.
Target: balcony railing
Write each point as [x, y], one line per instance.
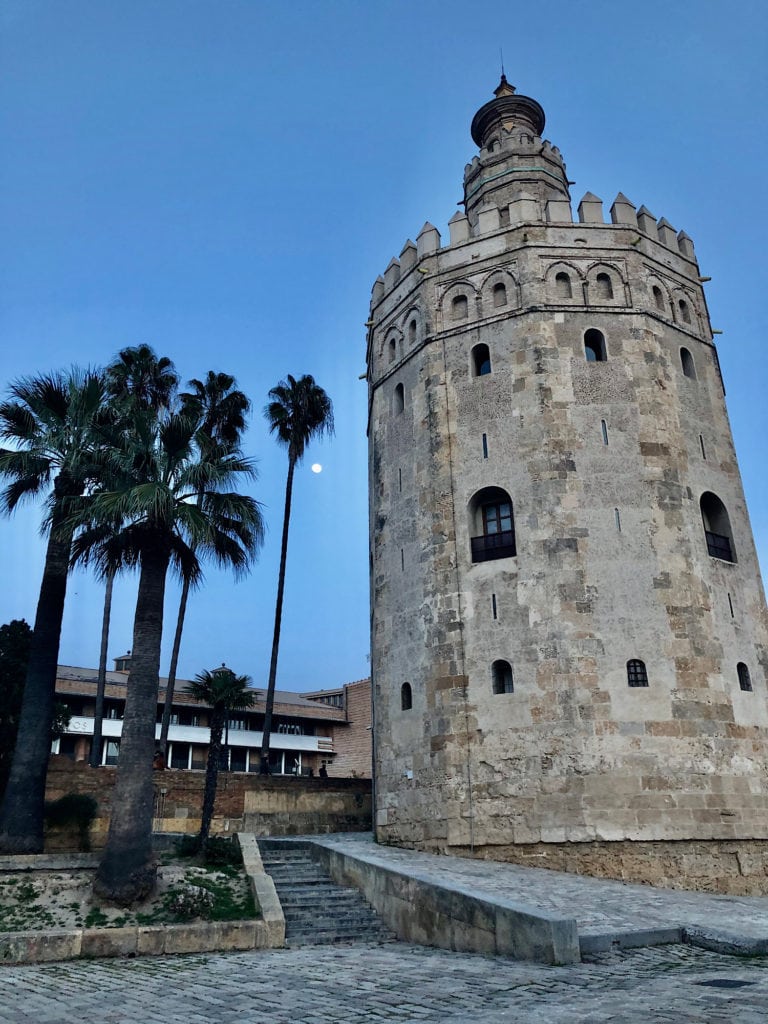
[719, 546]
[493, 545]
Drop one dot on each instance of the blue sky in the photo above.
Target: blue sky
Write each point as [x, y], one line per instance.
[224, 179]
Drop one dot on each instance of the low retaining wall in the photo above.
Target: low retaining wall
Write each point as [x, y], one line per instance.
[275, 805]
[419, 910]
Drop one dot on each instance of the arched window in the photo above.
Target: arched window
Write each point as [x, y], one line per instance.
[594, 346]
[745, 680]
[392, 350]
[399, 398]
[499, 295]
[563, 285]
[636, 673]
[685, 313]
[501, 674]
[412, 332]
[460, 307]
[492, 525]
[717, 527]
[603, 287]
[686, 361]
[658, 297]
[481, 361]
[406, 697]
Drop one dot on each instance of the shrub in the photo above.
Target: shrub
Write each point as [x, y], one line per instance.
[76, 809]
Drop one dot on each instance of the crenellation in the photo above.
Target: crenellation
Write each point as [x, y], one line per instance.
[590, 209]
[623, 211]
[392, 274]
[667, 234]
[427, 240]
[408, 258]
[646, 222]
[685, 245]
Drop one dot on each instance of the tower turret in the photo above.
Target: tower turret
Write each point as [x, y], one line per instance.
[514, 162]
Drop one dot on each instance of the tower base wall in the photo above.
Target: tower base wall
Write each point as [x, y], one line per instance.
[734, 867]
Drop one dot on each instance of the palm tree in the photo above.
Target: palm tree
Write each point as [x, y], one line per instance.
[53, 422]
[220, 411]
[298, 410]
[223, 691]
[163, 471]
[137, 381]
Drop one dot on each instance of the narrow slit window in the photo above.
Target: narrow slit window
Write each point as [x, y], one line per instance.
[604, 430]
[412, 332]
[658, 297]
[485, 446]
[501, 672]
[400, 479]
[745, 680]
[402, 560]
[406, 697]
[703, 449]
[685, 313]
[499, 295]
[481, 361]
[730, 605]
[460, 307]
[686, 361]
[494, 609]
[399, 398]
[604, 287]
[563, 286]
[636, 673]
[392, 350]
[617, 517]
[594, 346]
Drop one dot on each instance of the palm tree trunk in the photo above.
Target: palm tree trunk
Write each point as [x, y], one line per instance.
[101, 682]
[212, 772]
[21, 816]
[264, 765]
[127, 871]
[171, 685]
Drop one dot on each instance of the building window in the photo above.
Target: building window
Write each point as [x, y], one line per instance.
[111, 751]
[392, 350]
[594, 346]
[412, 332]
[658, 297]
[501, 673]
[745, 681]
[604, 288]
[499, 295]
[485, 446]
[460, 308]
[686, 361]
[493, 526]
[563, 286]
[685, 313]
[406, 697]
[481, 361]
[604, 431]
[717, 528]
[636, 673]
[399, 398]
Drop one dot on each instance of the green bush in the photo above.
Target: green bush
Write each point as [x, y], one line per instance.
[188, 846]
[76, 809]
[221, 851]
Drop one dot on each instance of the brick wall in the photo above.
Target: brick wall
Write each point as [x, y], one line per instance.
[353, 747]
[278, 805]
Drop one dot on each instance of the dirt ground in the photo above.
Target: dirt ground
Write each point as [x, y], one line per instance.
[44, 900]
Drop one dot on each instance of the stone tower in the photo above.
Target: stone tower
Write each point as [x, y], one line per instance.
[569, 643]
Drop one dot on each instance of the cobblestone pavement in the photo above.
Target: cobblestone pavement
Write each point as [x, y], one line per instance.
[375, 984]
[599, 905]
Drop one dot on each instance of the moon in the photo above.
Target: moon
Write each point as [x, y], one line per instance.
[316, 467]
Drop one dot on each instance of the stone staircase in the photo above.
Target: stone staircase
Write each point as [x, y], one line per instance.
[316, 909]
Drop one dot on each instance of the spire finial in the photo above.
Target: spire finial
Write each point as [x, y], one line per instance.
[504, 88]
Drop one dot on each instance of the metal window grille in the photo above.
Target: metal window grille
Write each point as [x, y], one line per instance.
[636, 673]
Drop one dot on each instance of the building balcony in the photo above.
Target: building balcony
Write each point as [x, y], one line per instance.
[493, 545]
